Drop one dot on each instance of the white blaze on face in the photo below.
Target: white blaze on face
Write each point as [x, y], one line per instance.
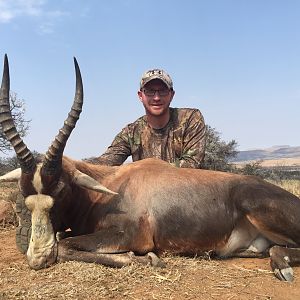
[37, 180]
[42, 242]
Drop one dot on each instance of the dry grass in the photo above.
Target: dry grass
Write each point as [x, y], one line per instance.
[184, 278]
[293, 186]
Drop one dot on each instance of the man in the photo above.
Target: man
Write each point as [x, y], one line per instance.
[176, 135]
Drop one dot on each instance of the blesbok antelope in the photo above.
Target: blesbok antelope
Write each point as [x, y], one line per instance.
[118, 215]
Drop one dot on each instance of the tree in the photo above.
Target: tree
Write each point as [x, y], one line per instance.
[8, 164]
[17, 110]
[218, 152]
[253, 168]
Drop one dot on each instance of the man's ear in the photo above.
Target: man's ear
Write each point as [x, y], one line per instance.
[140, 95]
[173, 93]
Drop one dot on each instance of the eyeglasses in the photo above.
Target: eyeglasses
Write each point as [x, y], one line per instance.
[151, 93]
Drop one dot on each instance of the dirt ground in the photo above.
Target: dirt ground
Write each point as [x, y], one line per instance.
[183, 278]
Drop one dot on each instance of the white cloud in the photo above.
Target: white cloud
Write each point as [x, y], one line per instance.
[49, 21]
[11, 9]
[46, 28]
[6, 16]
[31, 7]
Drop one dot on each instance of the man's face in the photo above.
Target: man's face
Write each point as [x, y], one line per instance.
[156, 97]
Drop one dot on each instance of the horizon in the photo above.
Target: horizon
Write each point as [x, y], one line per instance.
[236, 61]
[274, 147]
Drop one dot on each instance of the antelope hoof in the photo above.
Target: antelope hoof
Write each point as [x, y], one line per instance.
[286, 274]
[155, 261]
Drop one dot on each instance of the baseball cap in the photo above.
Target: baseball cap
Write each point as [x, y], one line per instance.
[156, 74]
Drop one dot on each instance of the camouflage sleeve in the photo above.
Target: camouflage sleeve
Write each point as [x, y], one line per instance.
[117, 152]
[193, 142]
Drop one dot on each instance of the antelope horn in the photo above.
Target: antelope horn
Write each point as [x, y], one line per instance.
[24, 155]
[53, 158]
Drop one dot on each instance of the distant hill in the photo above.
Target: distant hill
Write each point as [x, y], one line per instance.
[273, 153]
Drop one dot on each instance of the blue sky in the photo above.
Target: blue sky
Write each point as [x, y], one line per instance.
[237, 61]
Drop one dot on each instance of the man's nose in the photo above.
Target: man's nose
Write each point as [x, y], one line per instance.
[156, 95]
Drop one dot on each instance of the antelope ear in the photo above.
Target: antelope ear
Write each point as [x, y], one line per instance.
[11, 176]
[90, 183]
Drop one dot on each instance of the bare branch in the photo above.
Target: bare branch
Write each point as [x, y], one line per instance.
[18, 114]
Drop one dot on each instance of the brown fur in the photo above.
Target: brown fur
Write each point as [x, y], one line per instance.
[162, 208]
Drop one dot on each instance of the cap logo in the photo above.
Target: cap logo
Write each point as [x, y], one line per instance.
[156, 74]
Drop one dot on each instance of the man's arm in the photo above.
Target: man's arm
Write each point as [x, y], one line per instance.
[117, 152]
[193, 142]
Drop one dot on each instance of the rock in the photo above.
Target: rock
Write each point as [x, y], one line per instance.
[7, 214]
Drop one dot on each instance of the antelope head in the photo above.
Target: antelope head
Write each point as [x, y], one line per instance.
[41, 182]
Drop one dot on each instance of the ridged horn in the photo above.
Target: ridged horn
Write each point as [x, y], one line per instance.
[24, 155]
[53, 158]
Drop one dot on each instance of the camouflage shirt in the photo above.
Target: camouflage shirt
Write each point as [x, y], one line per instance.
[181, 142]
